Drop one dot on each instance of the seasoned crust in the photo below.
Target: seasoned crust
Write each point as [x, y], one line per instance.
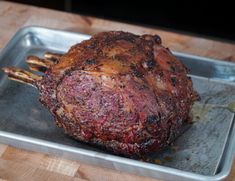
[119, 90]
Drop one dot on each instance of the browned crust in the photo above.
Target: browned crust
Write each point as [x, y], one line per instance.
[117, 54]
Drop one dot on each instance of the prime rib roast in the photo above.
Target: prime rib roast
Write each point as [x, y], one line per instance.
[124, 92]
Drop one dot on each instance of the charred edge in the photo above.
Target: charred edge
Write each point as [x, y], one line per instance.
[42, 69]
[151, 64]
[149, 143]
[126, 36]
[120, 36]
[54, 59]
[173, 81]
[161, 74]
[173, 69]
[153, 38]
[187, 69]
[67, 72]
[38, 68]
[129, 38]
[196, 96]
[136, 72]
[90, 62]
[172, 134]
[92, 45]
[157, 39]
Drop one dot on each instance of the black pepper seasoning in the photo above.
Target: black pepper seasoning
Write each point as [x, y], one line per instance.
[152, 119]
[151, 63]
[90, 61]
[173, 80]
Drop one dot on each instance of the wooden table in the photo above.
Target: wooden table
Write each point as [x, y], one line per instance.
[26, 165]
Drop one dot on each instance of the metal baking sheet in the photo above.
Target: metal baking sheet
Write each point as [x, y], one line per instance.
[203, 152]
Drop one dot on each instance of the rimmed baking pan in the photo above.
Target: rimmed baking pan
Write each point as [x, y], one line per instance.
[203, 152]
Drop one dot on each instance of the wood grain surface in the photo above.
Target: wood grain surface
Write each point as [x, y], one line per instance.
[17, 164]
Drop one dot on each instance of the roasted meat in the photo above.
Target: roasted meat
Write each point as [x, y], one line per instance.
[124, 92]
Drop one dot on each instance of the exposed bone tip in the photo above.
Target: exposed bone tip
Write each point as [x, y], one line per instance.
[6, 70]
[54, 57]
[32, 58]
[22, 76]
[38, 64]
[30, 61]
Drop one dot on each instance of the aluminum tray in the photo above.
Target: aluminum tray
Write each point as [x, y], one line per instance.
[203, 152]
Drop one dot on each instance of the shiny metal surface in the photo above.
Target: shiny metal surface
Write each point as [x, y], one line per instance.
[203, 152]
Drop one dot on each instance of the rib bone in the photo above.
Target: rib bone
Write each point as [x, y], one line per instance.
[38, 64]
[52, 56]
[22, 76]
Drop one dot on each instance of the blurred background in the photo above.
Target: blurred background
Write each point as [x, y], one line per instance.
[202, 18]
